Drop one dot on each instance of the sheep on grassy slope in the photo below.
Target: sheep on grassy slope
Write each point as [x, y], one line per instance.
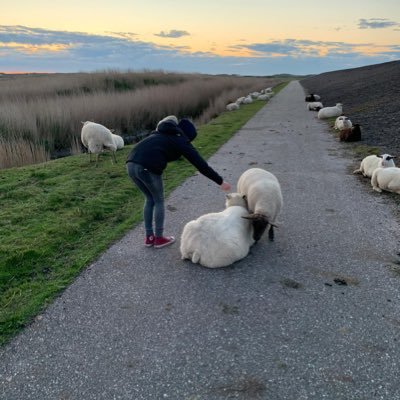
[219, 239]
[97, 138]
[370, 163]
[343, 122]
[328, 112]
[352, 134]
[264, 97]
[264, 199]
[386, 179]
[314, 106]
[240, 100]
[232, 107]
[247, 100]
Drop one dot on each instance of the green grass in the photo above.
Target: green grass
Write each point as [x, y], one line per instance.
[58, 217]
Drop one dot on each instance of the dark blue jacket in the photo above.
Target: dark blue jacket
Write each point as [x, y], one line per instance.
[166, 144]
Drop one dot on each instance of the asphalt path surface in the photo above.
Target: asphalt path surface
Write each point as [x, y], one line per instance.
[313, 315]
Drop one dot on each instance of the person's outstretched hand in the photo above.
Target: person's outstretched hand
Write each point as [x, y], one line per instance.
[225, 186]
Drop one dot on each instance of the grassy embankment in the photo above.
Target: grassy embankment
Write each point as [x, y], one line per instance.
[58, 217]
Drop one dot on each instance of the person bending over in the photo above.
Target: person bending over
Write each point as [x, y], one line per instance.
[147, 161]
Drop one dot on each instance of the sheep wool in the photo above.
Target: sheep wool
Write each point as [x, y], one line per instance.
[342, 122]
[264, 199]
[232, 107]
[217, 240]
[352, 134]
[370, 163]
[314, 106]
[118, 141]
[386, 179]
[328, 112]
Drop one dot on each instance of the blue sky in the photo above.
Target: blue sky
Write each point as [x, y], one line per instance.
[233, 37]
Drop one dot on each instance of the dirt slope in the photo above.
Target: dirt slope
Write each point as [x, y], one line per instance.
[370, 97]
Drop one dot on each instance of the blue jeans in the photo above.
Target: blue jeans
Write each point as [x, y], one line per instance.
[151, 185]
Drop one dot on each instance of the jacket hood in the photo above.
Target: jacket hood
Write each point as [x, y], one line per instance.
[184, 127]
[188, 128]
[169, 128]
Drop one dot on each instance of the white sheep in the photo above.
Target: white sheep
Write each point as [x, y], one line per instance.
[328, 112]
[118, 141]
[254, 95]
[313, 97]
[219, 239]
[386, 179]
[314, 106]
[240, 100]
[264, 97]
[232, 107]
[342, 123]
[370, 163]
[247, 100]
[97, 138]
[264, 199]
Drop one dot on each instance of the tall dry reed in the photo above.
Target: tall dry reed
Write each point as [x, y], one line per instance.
[44, 117]
[16, 152]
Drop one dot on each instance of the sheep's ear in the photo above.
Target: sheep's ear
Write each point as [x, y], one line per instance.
[228, 196]
[244, 197]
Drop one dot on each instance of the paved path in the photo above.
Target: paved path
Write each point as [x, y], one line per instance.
[141, 324]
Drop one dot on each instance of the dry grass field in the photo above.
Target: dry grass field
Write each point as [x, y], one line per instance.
[40, 115]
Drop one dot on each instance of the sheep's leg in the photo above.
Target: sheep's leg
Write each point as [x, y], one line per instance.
[97, 159]
[271, 233]
[114, 157]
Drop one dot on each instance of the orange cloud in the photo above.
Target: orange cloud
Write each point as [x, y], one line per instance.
[35, 48]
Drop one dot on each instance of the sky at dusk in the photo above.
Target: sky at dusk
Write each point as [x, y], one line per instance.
[245, 37]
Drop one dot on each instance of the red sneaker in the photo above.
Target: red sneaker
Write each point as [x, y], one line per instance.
[149, 241]
[163, 241]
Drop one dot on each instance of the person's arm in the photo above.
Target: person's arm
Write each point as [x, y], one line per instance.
[193, 156]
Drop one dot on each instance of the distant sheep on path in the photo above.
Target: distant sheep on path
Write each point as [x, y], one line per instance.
[314, 106]
[328, 112]
[370, 163]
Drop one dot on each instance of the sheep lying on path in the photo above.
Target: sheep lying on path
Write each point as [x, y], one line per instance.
[386, 179]
[370, 163]
[352, 134]
[97, 138]
[219, 239]
[232, 107]
[328, 112]
[342, 122]
[264, 199]
[314, 106]
[312, 97]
